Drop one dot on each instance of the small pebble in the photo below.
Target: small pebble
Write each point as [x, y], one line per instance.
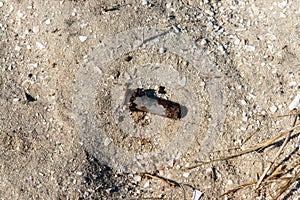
[244, 102]
[186, 174]
[1, 4]
[176, 29]
[292, 83]
[273, 109]
[182, 81]
[203, 42]
[171, 163]
[197, 194]
[16, 99]
[47, 21]
[272, 37]
[17, 48]
[249, 48]
[144, 2]
[107, 141]
[295, 102]
[79, 173]
[35, 29]
[137, 178]
[147, 184]
[237, 41]
[39, 45]
[221, 49]
[162, 50]
[82, 38]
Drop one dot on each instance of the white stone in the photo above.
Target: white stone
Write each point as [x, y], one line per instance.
[107, 141]
[282, 4]
[237, 41]
[47, 21]
[209, 12]
[17, 48]
[272, 37]
[292, 83]
[197, 194]
[147, 184]
[182, 81]
[35, 29]
[16, 99]
[282, 15]
[79, 173]
[168, 5]
[1, 4]
[171, 163]
[137, 178]
[221, 49]
[273, 108]
[203, 42]
[39, 45]
[186, 174]
[144, 2]
[250, 48]
[295, 102]
[82, 38]
[162, 50]
[244, 102]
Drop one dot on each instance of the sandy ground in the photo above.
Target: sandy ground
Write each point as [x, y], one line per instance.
[65, 132]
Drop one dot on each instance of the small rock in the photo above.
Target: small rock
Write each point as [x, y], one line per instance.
[1, 4]
[272, 37]
[16, 99]
[168, 5]
[162, 50]
[17, 48]
[82, 38]
[292, 83]
[197, 194]
[147, 184]
[295, 103]
[144, 2]
[237, 41]
[39, 45]
[171, 163]
[182, 81]
[273, 108]
[47, 21]
[35, 29]
[79, 173]
[244, 102]
[137, 178]
[209, 12]
[107, 141]
[249, 48]
[203, 42]
[176, 29]
[186, 174]
[221, 49]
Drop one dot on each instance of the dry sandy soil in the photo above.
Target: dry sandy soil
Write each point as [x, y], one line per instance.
[65, 132]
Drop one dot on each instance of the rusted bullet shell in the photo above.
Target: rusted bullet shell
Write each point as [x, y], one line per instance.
[147, 101]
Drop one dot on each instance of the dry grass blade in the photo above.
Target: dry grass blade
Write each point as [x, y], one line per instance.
[249, 150]
[287, 184]
[169, 182]
[238, 188]
[277, 154]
